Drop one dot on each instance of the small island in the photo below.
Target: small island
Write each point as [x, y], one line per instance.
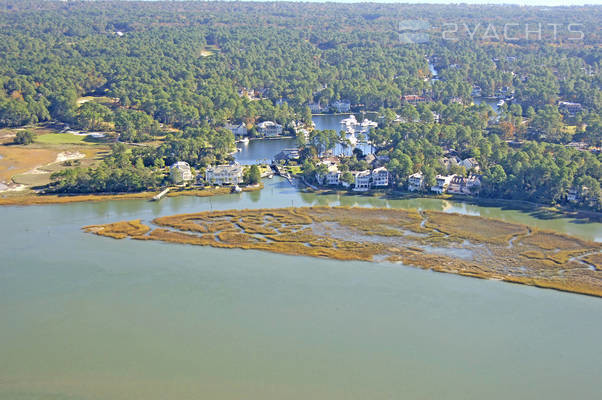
[452, 243]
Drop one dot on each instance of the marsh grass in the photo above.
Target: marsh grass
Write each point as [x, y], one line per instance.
[499, 250]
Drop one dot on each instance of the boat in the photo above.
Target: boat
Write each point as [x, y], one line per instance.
[501, 103]
[236, 189]
[244, 140]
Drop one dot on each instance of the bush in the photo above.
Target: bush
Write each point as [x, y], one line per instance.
[24, 137]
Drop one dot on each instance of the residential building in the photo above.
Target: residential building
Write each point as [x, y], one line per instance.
[449, 161]
[442, 184]
[341, 106]
[415, 182]
[380, 177]
[571, 108]
[332, 176]
[269, 129]
[470, 164]
[461, 185]
[413, 99]
[224, 174]
[238, 130]
[316, 107]
[180, 172]
[362, 180]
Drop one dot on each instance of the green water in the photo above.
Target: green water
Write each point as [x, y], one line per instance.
[84, 317]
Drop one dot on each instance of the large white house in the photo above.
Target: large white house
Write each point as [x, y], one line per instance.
[362, 180]
[269, 129]
[341, 106]
[380, 177]
[238, 130]
[180, 172]
[224, 174]
[443, 182]
[415, 182]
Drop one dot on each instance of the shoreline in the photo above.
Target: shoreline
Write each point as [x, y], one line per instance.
[28, 199]
[521, 205]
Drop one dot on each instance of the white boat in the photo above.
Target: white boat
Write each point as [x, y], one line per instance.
[244, 140]
[236, 189]
[501, 103]
[349, 120]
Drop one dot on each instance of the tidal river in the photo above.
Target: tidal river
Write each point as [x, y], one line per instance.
[85, 317]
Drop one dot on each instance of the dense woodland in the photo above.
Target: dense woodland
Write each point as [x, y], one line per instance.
[181, 68]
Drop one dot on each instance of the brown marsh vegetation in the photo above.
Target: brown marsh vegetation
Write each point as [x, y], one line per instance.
[442, 242]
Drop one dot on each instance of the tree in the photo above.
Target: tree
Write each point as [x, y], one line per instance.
[24, 137]
[252, 175]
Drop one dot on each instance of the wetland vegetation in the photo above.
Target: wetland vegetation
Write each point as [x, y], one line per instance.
[443, 242]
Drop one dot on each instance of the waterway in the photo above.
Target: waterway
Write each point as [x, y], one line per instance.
[86, 317]
[261, 151]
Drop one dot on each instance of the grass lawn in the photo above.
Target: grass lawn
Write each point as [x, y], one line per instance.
[67, 138]
[571, 129]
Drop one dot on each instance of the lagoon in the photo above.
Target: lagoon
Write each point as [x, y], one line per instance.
[262, 151]
[85, 317]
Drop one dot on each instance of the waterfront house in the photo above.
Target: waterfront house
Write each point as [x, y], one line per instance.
[332, 176]
[380, 177]
[316, 107]
[341, 106]
[224, 174]
[415, 182]
[238, 130]
[180, 172]
[467, 186]
[269, 129]
[442, 183]
[362, 180]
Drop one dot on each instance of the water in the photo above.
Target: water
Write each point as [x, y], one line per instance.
[261, 151]
[85, 317]
[491, 102]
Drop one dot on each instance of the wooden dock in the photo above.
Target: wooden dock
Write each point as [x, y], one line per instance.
[161, 195]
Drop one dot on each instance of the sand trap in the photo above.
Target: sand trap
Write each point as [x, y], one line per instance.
[11, 188]
[69, 155]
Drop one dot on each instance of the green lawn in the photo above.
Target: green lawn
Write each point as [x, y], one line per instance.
[67, 138]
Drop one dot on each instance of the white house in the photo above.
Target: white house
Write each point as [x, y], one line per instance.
[362, 180]
[380, 177]
[415, 182]
[180, 172]
[443, 182]
[238, 130]
[269, 129]
[342, 106]
[332, 177]
[224, 174]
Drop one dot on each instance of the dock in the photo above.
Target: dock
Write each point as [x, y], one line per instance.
[160, 195]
